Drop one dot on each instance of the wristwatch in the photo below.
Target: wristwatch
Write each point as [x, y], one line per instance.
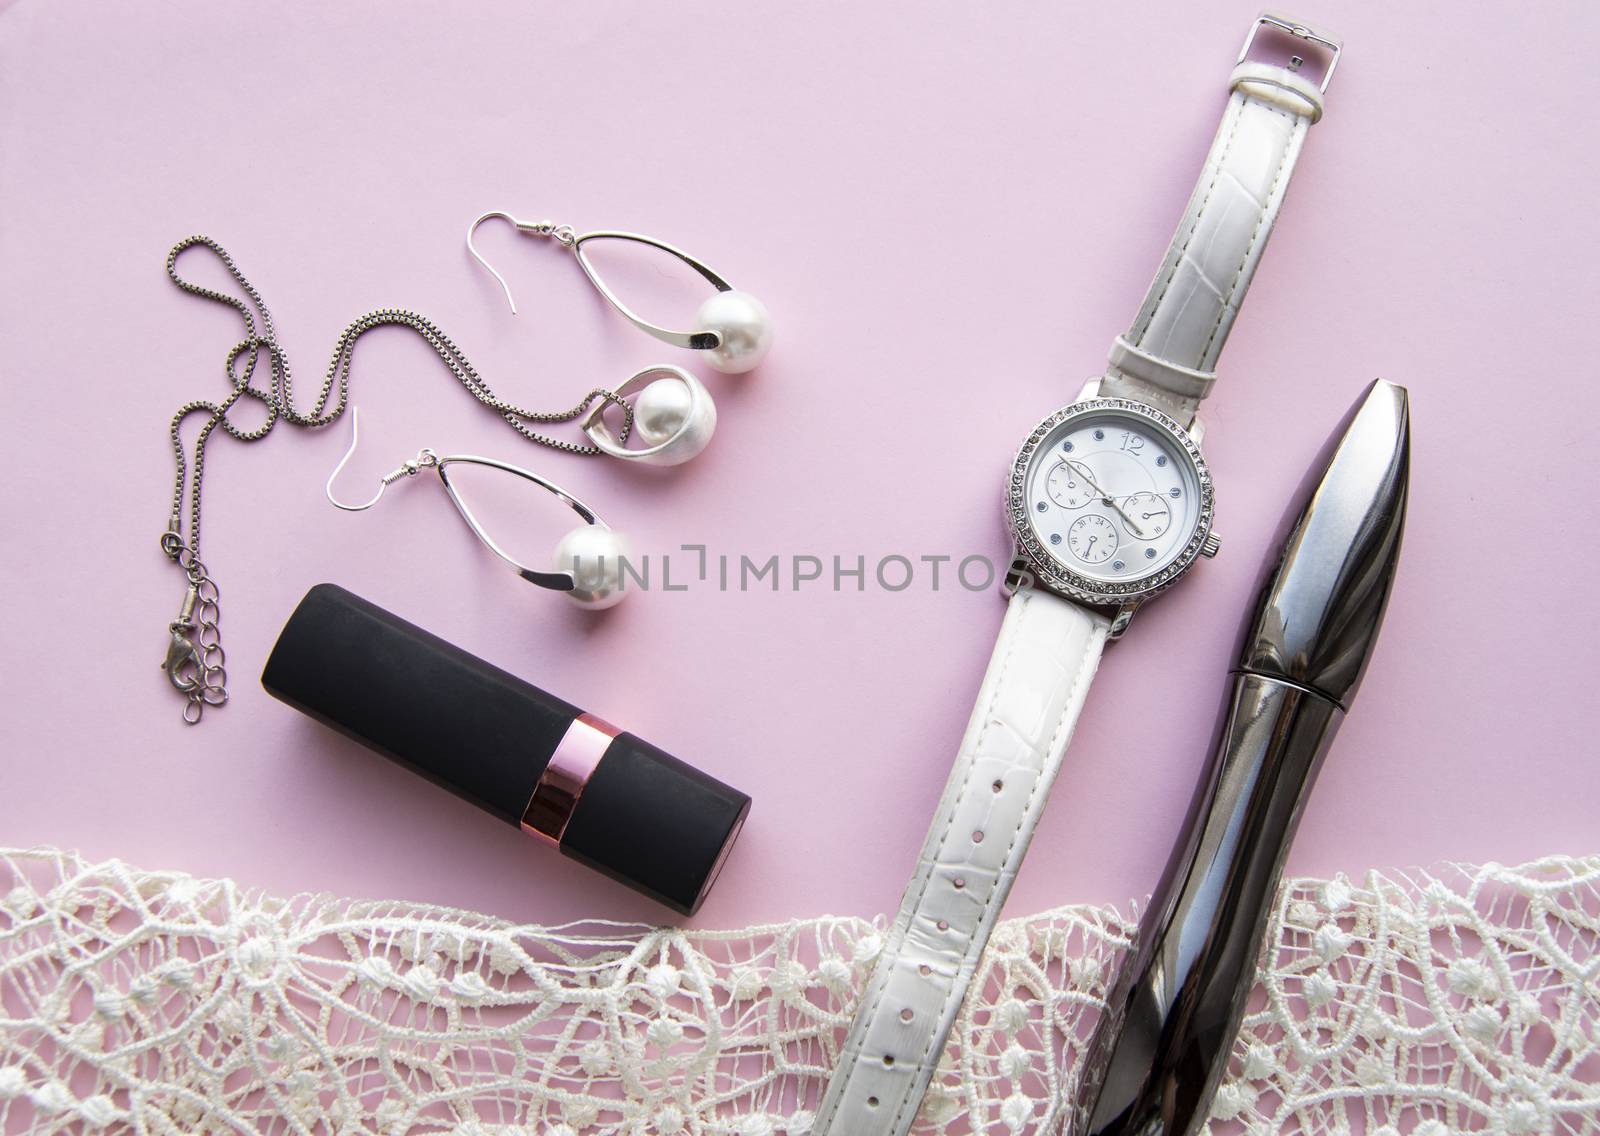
[1109, 502]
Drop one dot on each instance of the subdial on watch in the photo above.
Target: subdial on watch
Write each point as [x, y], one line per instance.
[1067, 487]
[1092, 538]
[1147, 516]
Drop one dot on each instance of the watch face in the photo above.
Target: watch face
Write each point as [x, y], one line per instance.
[1110, 500]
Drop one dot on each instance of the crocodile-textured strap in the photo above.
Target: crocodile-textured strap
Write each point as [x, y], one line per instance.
[1167, 357]
[1030, 698]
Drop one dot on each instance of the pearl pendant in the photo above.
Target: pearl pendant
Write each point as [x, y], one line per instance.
[594, 555]
[673, 416]
[743, 328]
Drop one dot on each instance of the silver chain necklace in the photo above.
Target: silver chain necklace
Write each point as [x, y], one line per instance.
[196, 663]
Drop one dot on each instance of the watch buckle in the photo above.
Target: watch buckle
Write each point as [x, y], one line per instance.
[1297, 31]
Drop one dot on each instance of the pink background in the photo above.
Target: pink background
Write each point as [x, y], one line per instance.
[950, 209]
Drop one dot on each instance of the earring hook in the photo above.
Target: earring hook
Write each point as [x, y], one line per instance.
[355, 437]
[564, 235]
[425, 459]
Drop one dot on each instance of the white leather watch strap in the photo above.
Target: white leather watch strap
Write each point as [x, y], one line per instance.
[1049, 647]
[1167, 357]
[1043, 663]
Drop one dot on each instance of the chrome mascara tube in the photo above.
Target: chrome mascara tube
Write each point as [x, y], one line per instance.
[1155, 1060]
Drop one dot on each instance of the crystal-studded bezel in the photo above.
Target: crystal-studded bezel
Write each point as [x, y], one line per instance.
[1054, 572]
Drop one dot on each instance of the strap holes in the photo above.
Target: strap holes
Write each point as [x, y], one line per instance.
[944, 924]
[888, 1060]
[924, 970]
[977, 836]
[998, 785]
[905, 1014]
[872, 1102]
[960, 882]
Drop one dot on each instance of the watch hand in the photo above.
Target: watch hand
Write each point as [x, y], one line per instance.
[1106, 497]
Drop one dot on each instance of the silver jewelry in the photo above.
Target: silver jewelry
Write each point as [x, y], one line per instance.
[680, 424]
[732, 327]
[673, 414]
[588, 559]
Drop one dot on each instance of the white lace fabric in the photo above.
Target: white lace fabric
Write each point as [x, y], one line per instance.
[1466, 999]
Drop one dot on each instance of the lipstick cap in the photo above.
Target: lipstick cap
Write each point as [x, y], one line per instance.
[604, 797]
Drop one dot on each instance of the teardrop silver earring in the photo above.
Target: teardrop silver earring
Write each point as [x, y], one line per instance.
[731, 327]
[588, 559]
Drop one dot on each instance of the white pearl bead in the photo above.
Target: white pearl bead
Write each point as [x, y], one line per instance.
[661, 410]
[743, 326]
[674, 416]
[594, 555]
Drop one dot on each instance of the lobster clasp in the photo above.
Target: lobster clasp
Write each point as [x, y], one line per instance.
[183, 660]
[183, 666]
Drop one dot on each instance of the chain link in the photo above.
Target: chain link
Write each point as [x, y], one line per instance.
[196, 662]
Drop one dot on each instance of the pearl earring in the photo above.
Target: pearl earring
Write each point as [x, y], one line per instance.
[588, 560]
[732, 327]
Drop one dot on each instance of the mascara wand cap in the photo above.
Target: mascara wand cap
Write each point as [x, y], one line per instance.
[1322, 601]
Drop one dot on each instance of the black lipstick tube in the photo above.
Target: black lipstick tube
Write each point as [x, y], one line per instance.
[601, 796]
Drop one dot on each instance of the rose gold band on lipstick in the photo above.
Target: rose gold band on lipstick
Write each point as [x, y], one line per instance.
[570, 767]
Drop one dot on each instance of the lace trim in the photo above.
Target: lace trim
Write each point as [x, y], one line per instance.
[1462, 1000]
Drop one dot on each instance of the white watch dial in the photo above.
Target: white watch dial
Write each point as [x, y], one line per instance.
[1067, 486]
[1112, 496]
[1148, 515]
[1092, 539]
